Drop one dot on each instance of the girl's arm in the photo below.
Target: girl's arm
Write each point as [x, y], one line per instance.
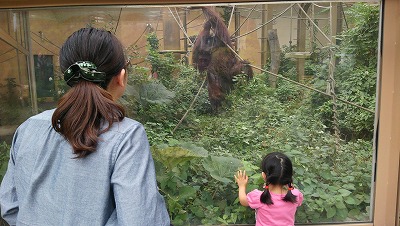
[242, 179]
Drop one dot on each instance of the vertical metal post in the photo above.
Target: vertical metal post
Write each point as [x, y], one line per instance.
[331, 79]
[267, 15]
[264, 34]
[185, 41]
[172, 33]
[301, 41]
[237, 29]
[31, 66]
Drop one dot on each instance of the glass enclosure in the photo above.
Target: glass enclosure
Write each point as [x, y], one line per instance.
[219, 86]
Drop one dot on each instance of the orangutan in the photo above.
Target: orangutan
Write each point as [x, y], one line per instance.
[212, 55]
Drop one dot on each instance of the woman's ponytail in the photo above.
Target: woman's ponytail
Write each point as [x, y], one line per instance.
[82, 112]
[89, 59]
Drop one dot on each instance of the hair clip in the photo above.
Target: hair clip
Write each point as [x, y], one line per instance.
[85, 70]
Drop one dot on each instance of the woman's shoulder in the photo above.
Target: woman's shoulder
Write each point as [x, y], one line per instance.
[126, 125]
[45, 115]
[43, 118]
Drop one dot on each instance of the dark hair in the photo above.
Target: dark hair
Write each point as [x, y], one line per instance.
[86, 107]
[279, 171]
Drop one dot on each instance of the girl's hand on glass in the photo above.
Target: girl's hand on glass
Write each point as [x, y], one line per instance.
[241, 178]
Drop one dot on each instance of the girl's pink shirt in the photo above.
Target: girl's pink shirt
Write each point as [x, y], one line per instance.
[280, 213]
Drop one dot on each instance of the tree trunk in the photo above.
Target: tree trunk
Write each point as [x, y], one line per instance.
[275, 51]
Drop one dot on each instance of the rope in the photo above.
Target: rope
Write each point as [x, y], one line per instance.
[46, 39]
[8, 59]
[311, 88]
[230, 18]
[248, 16]
[320, 6]
[119, 17]
[194, 18]
[344, 16]
[291, 28]
[287, 79]
[255, 29]
[145, 29]
[44, 47]
[190, 106]
[180, 26]
[179, 18]
[7, 52]
[316, 26]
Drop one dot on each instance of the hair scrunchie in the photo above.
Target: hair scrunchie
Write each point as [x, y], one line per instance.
[85, 70]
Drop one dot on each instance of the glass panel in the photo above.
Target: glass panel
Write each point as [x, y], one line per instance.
[4, 20]
[311, 95]
[14, 90]
[13, 24]
[44, 74]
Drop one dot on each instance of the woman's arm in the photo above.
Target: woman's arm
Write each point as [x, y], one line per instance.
[136, 195]
[9, 204]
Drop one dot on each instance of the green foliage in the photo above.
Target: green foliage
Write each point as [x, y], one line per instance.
[162, 66]
[226, 14]
[360, 42]
[194, 199]
[4, 157]
[195, 164]
[258, 120]
[355, 76]
[12, 102]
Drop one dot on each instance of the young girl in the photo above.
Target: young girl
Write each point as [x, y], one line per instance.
[277, 204]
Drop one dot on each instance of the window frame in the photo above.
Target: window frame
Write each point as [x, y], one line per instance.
[385, 187]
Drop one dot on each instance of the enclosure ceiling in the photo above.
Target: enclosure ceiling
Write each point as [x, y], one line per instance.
[12, 4]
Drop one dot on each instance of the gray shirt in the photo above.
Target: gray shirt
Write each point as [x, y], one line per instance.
[115, 185]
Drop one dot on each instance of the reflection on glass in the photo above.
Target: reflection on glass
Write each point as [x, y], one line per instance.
[218, 88]
[4, 20]
[44, 75]
[14, 85]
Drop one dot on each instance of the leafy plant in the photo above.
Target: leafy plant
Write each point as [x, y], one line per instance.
[4, 157]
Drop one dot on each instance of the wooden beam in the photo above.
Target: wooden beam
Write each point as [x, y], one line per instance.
[388, 153]
[298, 55]
[14, 4]
[12, 42]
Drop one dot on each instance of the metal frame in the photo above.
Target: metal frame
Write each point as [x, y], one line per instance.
[386, 196]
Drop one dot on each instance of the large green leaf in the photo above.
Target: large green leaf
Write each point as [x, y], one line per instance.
[330, 211]
[175, 155]
[222, 168]
[156, 93]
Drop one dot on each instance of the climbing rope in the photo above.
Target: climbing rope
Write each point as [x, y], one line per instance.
[248, 16]
[119, 18]
[262, 25]
[180, 26]
[230, 18]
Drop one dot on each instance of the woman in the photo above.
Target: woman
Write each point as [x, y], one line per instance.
[84, 163]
